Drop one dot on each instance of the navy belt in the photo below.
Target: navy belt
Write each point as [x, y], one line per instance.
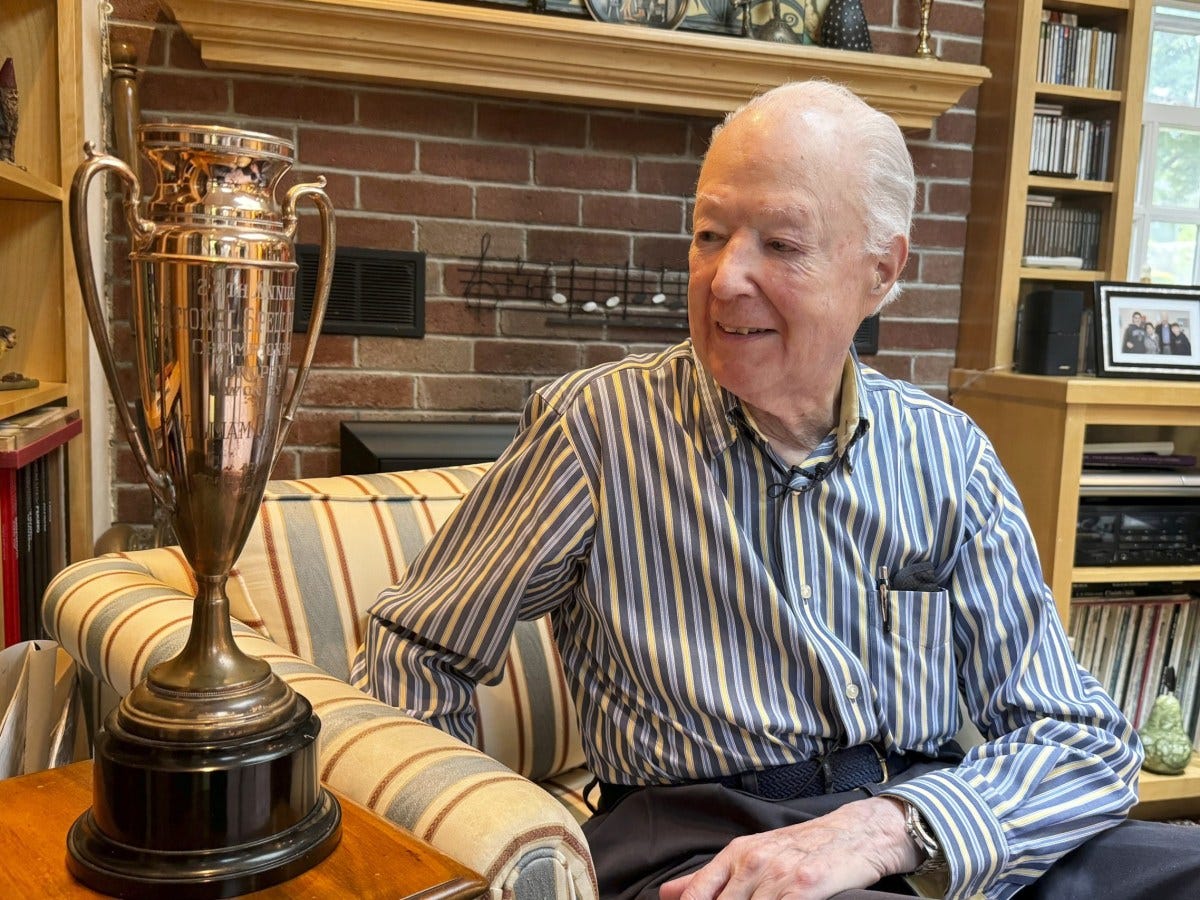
[839, 770]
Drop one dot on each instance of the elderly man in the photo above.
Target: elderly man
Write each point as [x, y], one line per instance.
[776, 574]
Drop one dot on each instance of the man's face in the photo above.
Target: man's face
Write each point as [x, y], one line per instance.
[779, 275]
[1137, 318]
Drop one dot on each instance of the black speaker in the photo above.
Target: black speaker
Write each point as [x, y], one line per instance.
[1048, 332]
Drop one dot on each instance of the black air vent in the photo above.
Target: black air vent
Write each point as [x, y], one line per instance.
[866, 339]
[373, 292]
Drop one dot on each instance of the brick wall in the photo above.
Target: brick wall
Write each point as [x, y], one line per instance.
[420, 170]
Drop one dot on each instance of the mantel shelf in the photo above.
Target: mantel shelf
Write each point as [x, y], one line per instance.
[471, 49]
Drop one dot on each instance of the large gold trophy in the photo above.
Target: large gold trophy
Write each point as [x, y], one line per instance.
[206, 781]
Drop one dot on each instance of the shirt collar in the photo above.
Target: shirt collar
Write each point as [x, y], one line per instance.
[718, 407]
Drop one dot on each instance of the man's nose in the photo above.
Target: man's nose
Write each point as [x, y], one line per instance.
[735, 268]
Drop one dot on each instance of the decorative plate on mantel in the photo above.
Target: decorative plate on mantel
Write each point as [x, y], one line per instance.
[652, 13]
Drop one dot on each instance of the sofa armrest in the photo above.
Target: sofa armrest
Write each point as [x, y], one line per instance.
[116, 619]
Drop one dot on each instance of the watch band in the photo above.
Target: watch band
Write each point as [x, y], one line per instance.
[922, 836]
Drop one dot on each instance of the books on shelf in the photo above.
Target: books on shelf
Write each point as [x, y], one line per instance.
[1159, 447]
[33, 514]
[1061, 236]
[1075, 55]
[1065, 146]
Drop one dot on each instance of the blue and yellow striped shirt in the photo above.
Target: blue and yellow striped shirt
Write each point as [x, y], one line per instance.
[717, 611]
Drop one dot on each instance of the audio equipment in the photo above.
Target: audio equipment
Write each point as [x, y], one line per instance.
[1048, 324]
[1137, 534]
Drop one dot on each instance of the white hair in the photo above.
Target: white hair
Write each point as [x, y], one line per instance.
[888, 182]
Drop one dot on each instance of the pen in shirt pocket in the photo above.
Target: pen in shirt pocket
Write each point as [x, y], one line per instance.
[882, 587]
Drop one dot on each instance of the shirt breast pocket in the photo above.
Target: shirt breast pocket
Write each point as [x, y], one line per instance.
[913, 664]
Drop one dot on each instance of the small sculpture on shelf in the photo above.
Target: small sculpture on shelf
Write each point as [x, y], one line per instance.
[12, 381]
[8, 110]
[844, 26]
[1168, 747]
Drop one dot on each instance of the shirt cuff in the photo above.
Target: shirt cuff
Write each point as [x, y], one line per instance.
[969, 833]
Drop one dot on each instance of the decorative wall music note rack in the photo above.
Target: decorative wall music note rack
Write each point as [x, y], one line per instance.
[577, 292]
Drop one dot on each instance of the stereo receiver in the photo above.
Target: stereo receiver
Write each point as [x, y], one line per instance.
[1137, 534]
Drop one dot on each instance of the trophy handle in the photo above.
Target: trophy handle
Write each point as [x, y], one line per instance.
[320, 295]
[142, 231]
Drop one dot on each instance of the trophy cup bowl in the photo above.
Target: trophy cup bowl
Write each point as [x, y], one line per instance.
[205, 776]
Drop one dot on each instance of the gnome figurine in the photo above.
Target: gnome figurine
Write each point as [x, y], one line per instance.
[1168, 747]
[8, 110]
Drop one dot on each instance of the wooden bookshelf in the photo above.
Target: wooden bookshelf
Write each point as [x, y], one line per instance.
[38, 286]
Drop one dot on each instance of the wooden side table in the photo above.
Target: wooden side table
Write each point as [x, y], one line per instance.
[375, 859]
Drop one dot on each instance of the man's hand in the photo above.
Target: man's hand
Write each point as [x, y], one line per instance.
[852, 847]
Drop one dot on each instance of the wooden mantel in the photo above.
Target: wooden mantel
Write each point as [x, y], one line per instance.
[472, 49]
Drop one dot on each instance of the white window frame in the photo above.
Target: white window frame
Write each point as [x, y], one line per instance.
[1156, 116]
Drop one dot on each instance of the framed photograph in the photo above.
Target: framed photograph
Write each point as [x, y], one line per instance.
[1147, 330]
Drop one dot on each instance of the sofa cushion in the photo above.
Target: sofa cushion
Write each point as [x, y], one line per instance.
[321, 551]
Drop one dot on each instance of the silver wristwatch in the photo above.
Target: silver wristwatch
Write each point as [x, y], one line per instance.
[914, 824]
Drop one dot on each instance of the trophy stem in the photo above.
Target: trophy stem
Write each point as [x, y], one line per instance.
[924, 51]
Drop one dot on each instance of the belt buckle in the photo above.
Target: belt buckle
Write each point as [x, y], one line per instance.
[883, 763]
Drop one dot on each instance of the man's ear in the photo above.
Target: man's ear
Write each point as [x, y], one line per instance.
[890, 264]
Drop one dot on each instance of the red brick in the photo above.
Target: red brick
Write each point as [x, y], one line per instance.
[941, 268]
[955, 126]
[700, 132]
[369, 232]
[968, 51]
[429, 354]
[168, 92]
[927, 302]
[587, 247]
[930, 368]
[294, 99]
[464, 239]
[582, 170]
[549, 323]
[184, 54]
[631, 213]
[536, 125]
[138, 10]
[655, 252]
[961, 19]
[675, 179]
[949, 198]
[891, 364]
[356, 150]
[319, 463]
[640, 135]
[338, 186]
[134, 504]
[315, 428]
[285, 466]
[125, 467]
[596, 353]
[941, 162]
[527, 205]
[891, 43]
[358, 390]
[908, 335]
[416, 113]
[478, 162]
[332, 350]
[457, 317]
[939, 233]
[655, 336]
[525, 357]
[415, 196]
[448, 392]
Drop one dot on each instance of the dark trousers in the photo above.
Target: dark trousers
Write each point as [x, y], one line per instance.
[654, 835]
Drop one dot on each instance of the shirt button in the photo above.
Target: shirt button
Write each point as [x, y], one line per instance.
[805, 591]
[852, 691]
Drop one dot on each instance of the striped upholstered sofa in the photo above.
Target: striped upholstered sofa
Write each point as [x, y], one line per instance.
[319, 553]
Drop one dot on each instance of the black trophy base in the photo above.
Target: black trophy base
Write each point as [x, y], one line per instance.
[196, 821]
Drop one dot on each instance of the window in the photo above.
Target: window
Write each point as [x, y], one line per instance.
[1166, 216]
